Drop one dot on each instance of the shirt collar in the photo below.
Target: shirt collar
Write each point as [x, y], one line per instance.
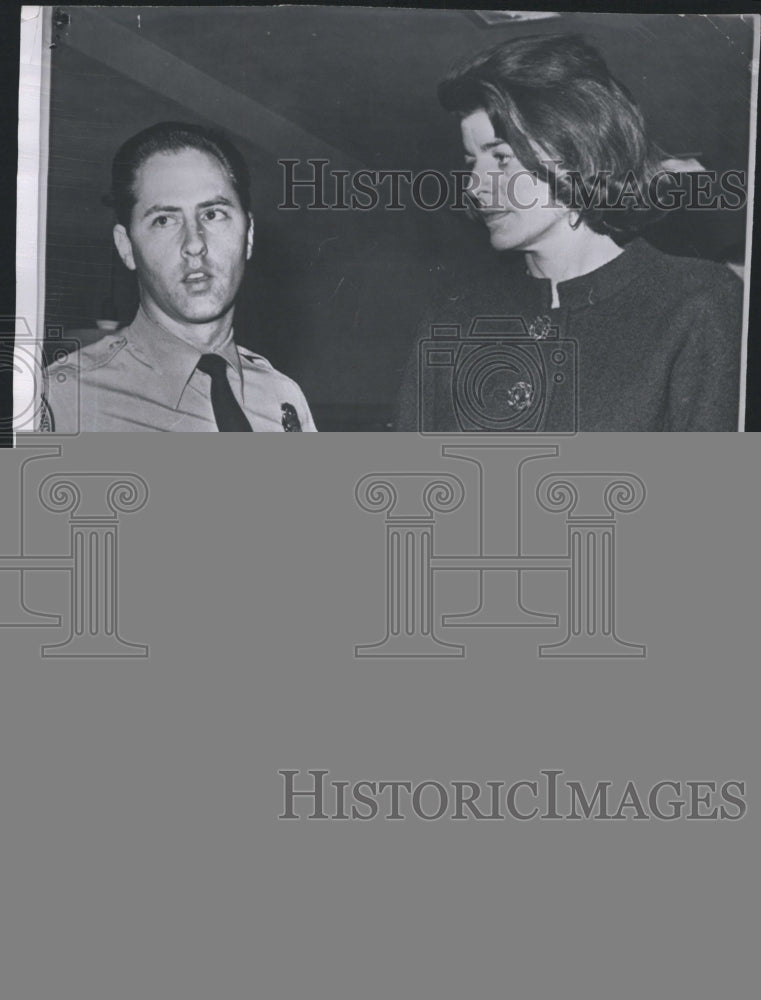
[602, 283]
[174, 360]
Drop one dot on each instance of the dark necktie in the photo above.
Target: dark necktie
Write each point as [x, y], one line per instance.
[227, 411]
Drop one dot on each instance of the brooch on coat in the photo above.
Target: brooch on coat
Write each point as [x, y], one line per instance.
[290, 419]
[540, 328]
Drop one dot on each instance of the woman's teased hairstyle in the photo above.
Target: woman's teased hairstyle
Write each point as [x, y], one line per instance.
[172, 137]
[552, 98]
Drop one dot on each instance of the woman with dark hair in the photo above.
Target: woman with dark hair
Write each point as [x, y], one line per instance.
[585, 326]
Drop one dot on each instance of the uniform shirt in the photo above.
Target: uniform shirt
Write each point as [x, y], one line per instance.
[143, 378]
[646, 342]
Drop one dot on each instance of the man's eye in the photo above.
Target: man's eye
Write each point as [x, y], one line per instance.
[162, 221]
[213, 215]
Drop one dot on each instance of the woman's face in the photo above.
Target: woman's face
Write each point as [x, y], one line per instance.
[515, 204]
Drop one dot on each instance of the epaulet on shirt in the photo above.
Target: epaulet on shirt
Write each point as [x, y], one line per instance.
[252, 358]
[93, 356]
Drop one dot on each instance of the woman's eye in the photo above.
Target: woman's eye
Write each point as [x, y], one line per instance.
[503, 158]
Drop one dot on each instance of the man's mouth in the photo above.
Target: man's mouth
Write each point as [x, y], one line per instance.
[196, 279]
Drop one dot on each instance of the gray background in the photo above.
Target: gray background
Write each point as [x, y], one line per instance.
[140, 853]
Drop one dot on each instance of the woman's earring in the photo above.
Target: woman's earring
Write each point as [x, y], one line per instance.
[573, 219]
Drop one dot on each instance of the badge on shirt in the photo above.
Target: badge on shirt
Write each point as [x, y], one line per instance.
[290, 418]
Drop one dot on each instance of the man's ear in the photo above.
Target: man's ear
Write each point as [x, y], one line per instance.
[250, 237]
[124, 246]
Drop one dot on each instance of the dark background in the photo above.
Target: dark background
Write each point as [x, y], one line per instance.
[333, 298]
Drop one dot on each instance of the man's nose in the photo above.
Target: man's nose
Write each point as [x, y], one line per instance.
[194, 244]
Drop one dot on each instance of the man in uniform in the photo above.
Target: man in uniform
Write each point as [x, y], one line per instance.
[184, 225]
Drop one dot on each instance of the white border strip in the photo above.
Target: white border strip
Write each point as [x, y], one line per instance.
[749, 218]
[31, 210]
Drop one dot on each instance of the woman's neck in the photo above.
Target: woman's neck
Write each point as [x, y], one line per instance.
[571, 253]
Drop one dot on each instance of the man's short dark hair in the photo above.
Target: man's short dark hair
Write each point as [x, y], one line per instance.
[556, 92]
[172, 137]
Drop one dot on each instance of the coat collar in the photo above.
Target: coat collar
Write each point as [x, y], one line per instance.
[598, 285]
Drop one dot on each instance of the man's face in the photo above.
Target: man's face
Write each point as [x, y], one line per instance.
[188, 240]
